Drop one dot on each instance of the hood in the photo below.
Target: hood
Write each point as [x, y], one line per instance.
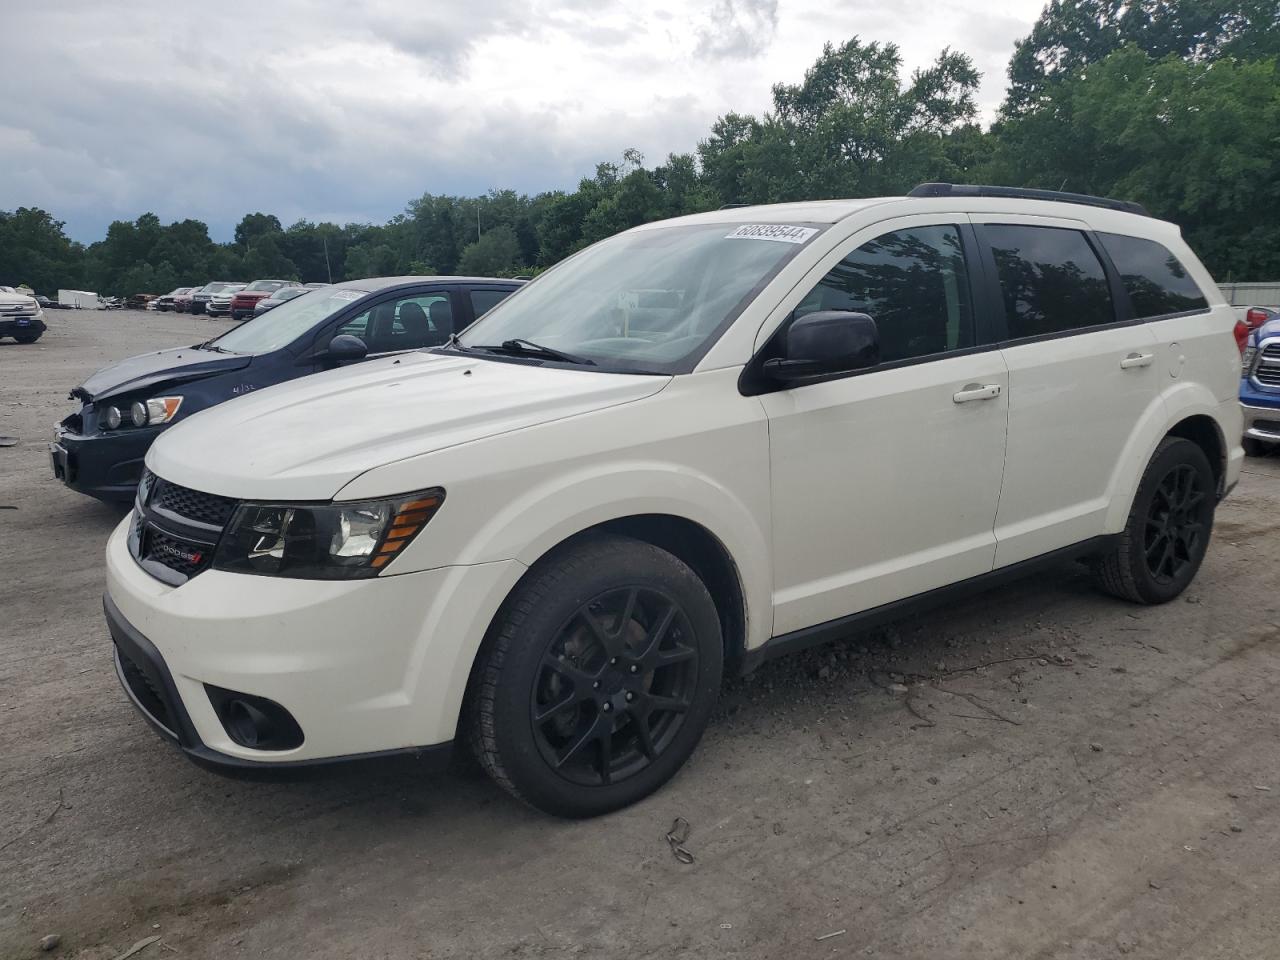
[152, 370]
[255, 294]
[308, 438]
[1269, 329]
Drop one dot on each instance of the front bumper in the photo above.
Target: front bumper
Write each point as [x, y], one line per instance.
[1261, 423]
[20, 326]
[107, 466]
[364, 667]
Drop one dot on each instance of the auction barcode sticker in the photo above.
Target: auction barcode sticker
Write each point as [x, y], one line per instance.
[782, 232]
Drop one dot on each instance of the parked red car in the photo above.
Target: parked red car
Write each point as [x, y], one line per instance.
[182, 301]
[244, 301]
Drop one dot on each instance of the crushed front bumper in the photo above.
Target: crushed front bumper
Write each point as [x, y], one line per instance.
[106, 466]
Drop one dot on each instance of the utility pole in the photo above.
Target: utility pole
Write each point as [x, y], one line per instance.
[477, 219]
[328, 269]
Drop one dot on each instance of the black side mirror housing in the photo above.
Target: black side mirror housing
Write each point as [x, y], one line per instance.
[826, 342]
[344, 348]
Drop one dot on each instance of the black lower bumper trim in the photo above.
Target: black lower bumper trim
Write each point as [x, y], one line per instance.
[149, 685]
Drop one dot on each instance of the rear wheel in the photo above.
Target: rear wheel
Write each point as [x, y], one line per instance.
[597, 679]
[26, 337]
[1167, 534]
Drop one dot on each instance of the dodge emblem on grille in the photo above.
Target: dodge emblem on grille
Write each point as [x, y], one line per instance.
[187, 556]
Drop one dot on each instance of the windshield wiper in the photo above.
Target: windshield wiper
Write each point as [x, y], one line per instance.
[521, 347]
[209, 345]
[453, 343]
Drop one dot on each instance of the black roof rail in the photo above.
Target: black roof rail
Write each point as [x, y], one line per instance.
[1024, 193]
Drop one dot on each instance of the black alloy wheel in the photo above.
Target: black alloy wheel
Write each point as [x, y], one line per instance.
[1167, 534]
[615, 685]
[597, 678]
[1174, 525]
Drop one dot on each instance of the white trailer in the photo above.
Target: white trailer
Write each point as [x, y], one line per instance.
[79, 299]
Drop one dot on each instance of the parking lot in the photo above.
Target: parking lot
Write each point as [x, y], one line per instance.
[1038, 772]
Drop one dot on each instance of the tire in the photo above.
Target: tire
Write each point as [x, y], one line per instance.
[26, 337]
[616, 644]
[1253, 447]
[1168, 530]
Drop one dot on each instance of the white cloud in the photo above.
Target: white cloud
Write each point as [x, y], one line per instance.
[738, 28]
[330, 110]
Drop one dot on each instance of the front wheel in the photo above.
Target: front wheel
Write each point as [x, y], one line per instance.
[1167, 534]
[597, 679]
[1253, 447]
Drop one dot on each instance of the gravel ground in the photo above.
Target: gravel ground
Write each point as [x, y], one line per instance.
[1038, 772]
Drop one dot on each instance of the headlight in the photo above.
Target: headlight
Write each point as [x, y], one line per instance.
[154, 411]
[112, 417]
[1246, 360]
[335, 541]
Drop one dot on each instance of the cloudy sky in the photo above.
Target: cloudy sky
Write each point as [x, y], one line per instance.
[333, 110]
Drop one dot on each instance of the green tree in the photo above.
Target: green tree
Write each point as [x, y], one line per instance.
[850, 128]
[1072, 34]
[255, 225]
[35, 250]
[495, 254]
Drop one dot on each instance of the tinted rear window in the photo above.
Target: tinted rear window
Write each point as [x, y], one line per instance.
[1156, 281]
[1050, 279]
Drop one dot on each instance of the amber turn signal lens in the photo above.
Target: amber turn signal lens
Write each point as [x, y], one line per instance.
[411, 516]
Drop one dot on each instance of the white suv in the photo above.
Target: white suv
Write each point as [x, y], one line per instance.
[684, 450]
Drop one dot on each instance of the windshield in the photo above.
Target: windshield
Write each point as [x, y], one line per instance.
[287, 322]
[267, 285]
[288, 293]
[646, 301]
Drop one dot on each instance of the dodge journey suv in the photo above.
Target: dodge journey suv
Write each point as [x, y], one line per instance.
[686, 449]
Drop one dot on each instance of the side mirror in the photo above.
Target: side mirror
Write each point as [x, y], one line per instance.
[344, 348]
[828, 341]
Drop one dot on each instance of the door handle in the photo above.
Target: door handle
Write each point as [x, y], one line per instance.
[976, 391]
[1137, 360]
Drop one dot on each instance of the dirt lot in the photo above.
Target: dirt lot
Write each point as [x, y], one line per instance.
[1108, 784]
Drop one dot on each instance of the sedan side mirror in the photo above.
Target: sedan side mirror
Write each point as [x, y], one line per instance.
[825, 342]
[344, 348]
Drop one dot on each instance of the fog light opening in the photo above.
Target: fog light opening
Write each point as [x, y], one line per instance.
[255, 722]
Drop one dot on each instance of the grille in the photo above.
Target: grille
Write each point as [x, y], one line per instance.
[1268, 373]
[182, 537]
[206, 508]
[183, 556]
[1270, 426]
[144, 486]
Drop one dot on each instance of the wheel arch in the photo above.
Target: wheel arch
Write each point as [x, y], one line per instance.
[689, 541]
[1189, 411]
[1204, 432]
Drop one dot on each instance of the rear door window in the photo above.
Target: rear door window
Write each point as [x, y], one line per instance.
[482, 301]
[1051, 281]
[1156, 281]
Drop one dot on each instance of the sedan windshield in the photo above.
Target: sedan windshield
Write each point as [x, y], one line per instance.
[650, 300]
[267, 285]
[287, 322]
